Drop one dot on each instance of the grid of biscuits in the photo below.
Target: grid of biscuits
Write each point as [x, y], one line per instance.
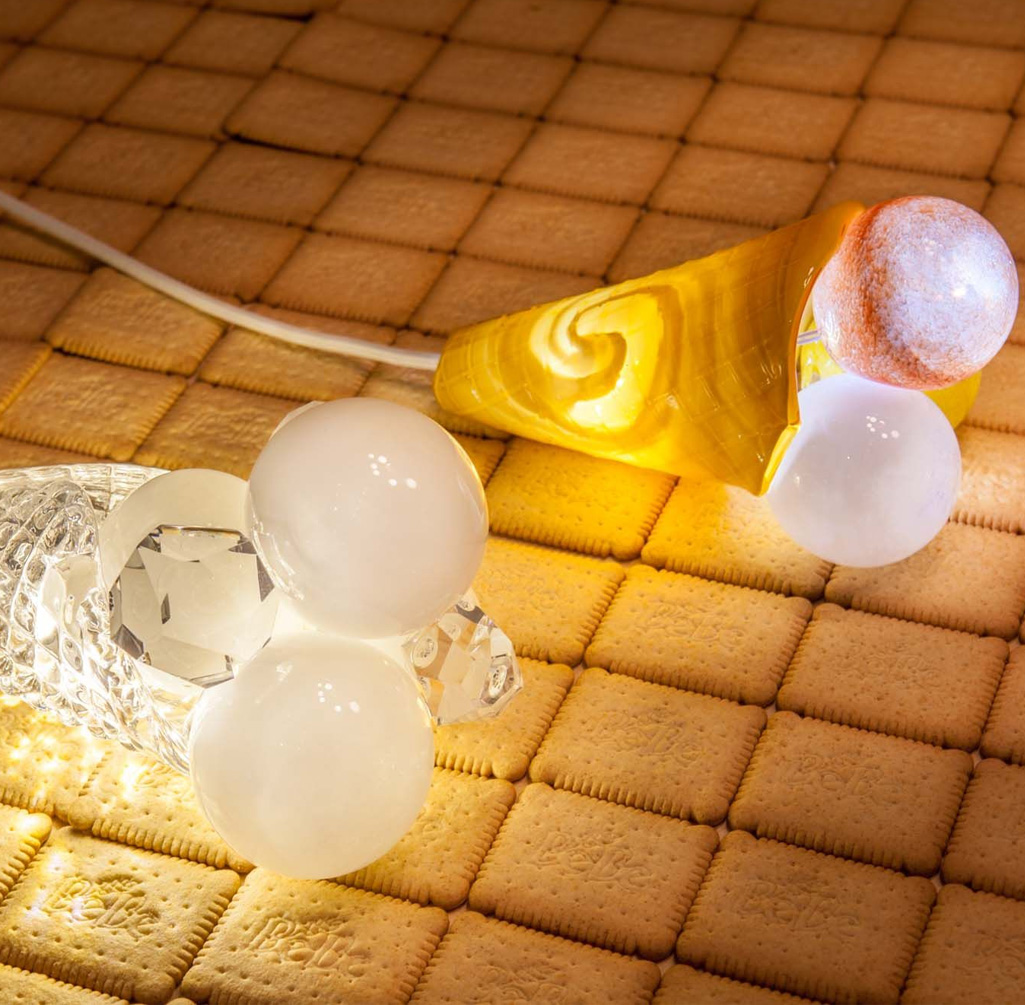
[757, 763]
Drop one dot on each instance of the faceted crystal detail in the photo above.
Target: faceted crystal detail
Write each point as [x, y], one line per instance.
[465, 664]
[194, 602]
[56, 651]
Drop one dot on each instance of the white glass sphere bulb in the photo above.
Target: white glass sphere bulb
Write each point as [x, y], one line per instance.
[871, 476]
[315, 759]
[921, 293]
[369, 515]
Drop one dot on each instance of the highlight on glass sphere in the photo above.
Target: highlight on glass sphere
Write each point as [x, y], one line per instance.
[871, 476]
[369, 515]
[316, 758]
[921, 293]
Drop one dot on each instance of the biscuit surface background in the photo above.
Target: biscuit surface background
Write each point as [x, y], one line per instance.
[391, 170]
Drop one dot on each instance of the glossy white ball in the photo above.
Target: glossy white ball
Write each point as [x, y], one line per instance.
[368, 515]
[871, 476]
[315, 759]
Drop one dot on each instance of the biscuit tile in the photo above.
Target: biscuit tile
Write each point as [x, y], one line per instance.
[984, 849]
[654, 39]
[280, 186]
[75, 404]
[218, 253]
[848, 792]
[44, 764]
[578, 867]
[738, 186]
[232, 43]
[1005, 209]
[65, 83]
[127, 163]
[876, 16]
[7, 52]
[628, 100]
[504, 745]
[413, 388]
[264, 365]
[179, 100]
[548, 602]
[435, 16]
[453, 141]
[720, 532]
[114, 221]
[138, 801]
[971, 951]
[32, 298]
[899, 134]
[1010, 165]
[438, 858]
[870, 185]
[130, 28]
[509, 962]
[722, 640]
[760, 896]
[287, 110]
[1000, 405]
[649, 746]
[683, 985]
[769, 121]
[82, 899]
[384, 282]
[569, 500]
[361, 55]
[1004, 736]
[533, 229]
[35, 989]
[484, 453]
[15, 454]
[989, 22]
[325, 942]
[472, 290]
[896, 677]
[992, 480]
[22, 22]
[558, 26]
[21, 835]
[660, 241]
[803, 59]
[939, 73]
[967, 578]
[31, 142]
[479, 76]
[19, 363]
[422, 210]
[590, 163]
[214, 427]
[117, 320]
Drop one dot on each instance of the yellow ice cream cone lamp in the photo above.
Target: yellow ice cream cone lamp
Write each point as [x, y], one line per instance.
[691, 370]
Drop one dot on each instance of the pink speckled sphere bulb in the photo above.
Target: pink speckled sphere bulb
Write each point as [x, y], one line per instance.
[921, 293]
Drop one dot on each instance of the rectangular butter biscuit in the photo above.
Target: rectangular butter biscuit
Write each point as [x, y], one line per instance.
[762, 898]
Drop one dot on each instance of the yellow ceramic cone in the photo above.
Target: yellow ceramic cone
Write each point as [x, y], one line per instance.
[691, 370]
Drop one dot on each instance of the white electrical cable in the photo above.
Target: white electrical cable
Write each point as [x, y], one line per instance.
[341, 345]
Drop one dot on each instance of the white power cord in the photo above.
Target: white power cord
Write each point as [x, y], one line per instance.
[341, 345]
